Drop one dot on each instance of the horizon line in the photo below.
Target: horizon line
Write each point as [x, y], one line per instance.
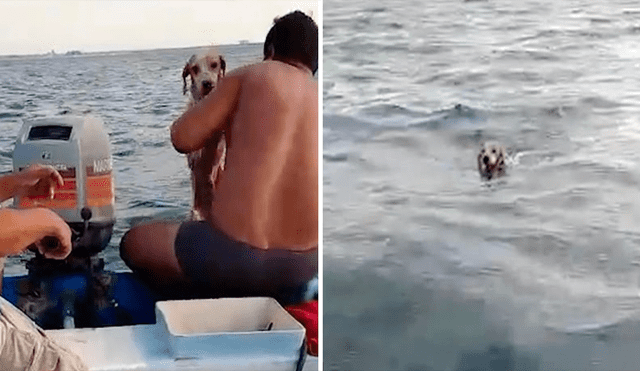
[66, 53]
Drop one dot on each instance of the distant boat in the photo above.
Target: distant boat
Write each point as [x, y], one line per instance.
[243, 42]
[73, 52]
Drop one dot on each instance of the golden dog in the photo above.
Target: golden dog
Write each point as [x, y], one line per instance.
[204, 70]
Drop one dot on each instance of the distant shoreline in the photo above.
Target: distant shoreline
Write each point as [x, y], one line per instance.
[76, 52]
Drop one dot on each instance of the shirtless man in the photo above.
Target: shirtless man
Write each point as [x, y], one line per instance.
[262, 234]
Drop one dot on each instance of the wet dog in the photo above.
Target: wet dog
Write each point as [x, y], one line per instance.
[203, 72]
[491, 161]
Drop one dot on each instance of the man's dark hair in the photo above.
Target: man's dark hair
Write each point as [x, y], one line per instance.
[293, 37]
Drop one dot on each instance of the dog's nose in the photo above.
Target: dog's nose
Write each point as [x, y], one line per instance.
[207, 84]
[485, 159]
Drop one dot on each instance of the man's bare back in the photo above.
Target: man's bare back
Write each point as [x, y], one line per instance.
[268, 194]
[261, 235]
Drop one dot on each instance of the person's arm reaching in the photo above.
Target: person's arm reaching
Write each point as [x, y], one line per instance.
[191, 131]
[21, 228]
[35, 178]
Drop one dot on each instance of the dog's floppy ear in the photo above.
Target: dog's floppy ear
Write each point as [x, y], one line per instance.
[185, 73]
[223, 65]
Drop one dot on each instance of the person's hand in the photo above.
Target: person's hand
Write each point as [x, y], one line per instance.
[38, 180]
[56, 244]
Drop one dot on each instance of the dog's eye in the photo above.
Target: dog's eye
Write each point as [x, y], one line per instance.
[214, 65]
[195, 70]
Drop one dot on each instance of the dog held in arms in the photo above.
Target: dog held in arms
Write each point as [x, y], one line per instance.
[205, 70]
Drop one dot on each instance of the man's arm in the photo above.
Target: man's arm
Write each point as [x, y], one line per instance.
[191, 131]
[21, 228]
[20, 183]
[8, 186]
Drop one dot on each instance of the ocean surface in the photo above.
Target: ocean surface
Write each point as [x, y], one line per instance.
[137, 94]
[427, 266]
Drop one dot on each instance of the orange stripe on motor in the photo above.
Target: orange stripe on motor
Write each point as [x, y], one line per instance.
[56, 203]
[100, 190]
[65, 196]
[99, 202]
[69, 185]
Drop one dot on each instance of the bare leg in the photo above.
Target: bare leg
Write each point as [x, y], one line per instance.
[148, 249]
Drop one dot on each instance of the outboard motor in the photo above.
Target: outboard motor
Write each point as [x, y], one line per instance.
[78, 147]
[71, 292]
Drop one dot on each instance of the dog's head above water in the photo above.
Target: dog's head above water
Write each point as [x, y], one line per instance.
[491, 160]
[205, 71]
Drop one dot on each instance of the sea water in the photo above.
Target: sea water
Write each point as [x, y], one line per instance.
[427, 266]
[137, 94]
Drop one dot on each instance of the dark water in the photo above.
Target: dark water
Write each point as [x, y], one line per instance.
[137, 94]
[427, 267]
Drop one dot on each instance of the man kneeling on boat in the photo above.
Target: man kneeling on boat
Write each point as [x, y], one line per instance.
[261, 236]
[23, 345]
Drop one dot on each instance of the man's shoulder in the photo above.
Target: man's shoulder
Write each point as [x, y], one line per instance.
[278, 78]
[250, 73]
[269, 68]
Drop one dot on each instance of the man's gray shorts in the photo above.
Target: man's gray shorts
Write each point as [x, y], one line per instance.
[227, 268]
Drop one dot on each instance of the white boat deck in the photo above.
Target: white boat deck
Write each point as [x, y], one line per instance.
[141, 348]
[158, 347]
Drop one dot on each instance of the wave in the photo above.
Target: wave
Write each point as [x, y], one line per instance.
[124, 153]
[390, 109]
[375, 10]
[449, 117]
[4, 115]
[151, 204]
[160, 144]
[335, 157]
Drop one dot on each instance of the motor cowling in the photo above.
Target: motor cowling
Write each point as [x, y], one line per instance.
[78, 148]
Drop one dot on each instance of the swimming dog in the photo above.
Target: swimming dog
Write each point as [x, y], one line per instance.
[491, 161]
[204, 70]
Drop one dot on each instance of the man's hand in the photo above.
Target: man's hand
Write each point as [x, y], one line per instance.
[38, 180]
[41, 227]
[57, 242]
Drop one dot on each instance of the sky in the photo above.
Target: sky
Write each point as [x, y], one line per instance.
[38, 27]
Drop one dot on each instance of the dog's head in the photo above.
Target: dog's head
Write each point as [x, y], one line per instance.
[491, 160]
[205, 70]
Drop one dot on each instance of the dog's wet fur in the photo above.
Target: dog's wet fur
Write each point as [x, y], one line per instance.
[491, 161]
[201, 75]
